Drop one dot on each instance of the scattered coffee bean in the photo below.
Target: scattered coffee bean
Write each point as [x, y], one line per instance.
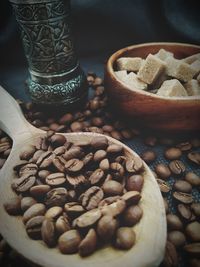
[171, 256]
[164, 186]
[173, 153]
[192, 231]
[182, 186]
[177, 238]
[162, 171]
[184, 146]
[148, 156]
[173, 222]
[192, 178]
[177, 167]
[183, 197]
[184, 211]
[193, 249]
[194, 157]
[195, 207]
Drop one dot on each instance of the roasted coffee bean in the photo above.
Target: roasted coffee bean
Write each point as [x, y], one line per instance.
[56, 197]
[112, 188]
[99, 155]
[27, 202]
[115, 208]
[28, 169]
[74, 152]
[193, 249]
[97, 177]
[183, 197]
[53, 213]
[195, 207]
[33, 227]
[88, 219]
[117, 171]
[45, 159]
[173, 222]
[183, 186]
[132, 215]
[60, 150]
[73, 165]
[66, 119]
[192, 178]
[99, 142]
[43, 174]
[83, 143]
[184, 211]
[162, 171]
[48, 232]
[125, 238]
[59, 162]
[177, 238]
[177, 167]
[76, 126]
[194, 157]
[171, 256]
[92, 197]
[131, 197]
[35, 210]
[76, 181]
[62, 225]
[121, 160]
[192, 231]
[27, 153]
[164, 186]
[39, 191]
[148, 156]
[88, 158]
[173, 153]
[184, 146]
[13, 206]
[134, 164]
[108, 200]
[36, 156]
[24, 183]
[57, 140]
[88, 244]
[107, 227]
[114, 148]
[73, 209]
[135, 183]
[104, 165]
[55, 179]
[68, 242]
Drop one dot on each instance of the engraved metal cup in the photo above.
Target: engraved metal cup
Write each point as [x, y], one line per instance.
[55, 75]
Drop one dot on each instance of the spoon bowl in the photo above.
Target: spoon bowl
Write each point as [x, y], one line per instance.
[150, 231]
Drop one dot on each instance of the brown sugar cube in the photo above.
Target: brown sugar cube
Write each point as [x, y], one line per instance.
[179, 69]
[172, 88]
[129, 63]
[121, 74]
[192, 87]
[192, 58]
[134, 82]
[151, 68]
[196, 65]
[163, 54]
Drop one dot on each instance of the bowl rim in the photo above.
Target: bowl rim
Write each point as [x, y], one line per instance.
[119, 52]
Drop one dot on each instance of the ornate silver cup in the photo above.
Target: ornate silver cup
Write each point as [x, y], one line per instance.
[55, 75]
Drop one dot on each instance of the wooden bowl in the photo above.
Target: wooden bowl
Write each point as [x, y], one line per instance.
[148, 109]
[150, 231]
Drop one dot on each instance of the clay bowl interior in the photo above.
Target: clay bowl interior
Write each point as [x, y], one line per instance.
[152, 111]
[150, 231]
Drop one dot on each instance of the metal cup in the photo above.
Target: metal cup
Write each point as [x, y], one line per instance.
[55, 75]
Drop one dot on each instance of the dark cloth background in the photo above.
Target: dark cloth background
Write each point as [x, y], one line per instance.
[101, 27]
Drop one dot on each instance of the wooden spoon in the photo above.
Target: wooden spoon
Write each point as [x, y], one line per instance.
[150, 231]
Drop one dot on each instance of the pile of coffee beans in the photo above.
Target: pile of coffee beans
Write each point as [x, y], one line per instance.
[78, 196]
[158, 152]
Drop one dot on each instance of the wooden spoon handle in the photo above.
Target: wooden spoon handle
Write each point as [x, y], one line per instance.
[12, 121]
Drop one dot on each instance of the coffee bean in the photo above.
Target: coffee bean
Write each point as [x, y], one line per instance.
[55, 179]
[112, 188]
[150, 141]
[73, 209]
[97, 177]
[88, 244]
[183, 186]
[132, 215]
[135, 183]
[76, 126]
[59, 162]
[131, 197]
[33, 227]
[184, 211]
[177, 238]
[76, 181]
[68, 242]
[183, 197]
[53, 213]
[45, 160]
[148, 156]
[171, 256]
[173, 153]
[27, 202]
[57, 140]
[177, 167]
[192, 231]
[35, 210]
[194, 157]
[88, 219]
[162, 171]
[99, 155]
[48, 232]
[184, 146]
[39, 191]
[195, 207]
[13, 206]
[125, 238]
[24, 183]
[92, 197]
[56, 197]
[193, 249]
[43, 174]
[99, 142]
[192, 178]
[113, 148]
[62, 225]
[28, 169]
[73, 165]
[66, 119]
[104, 165]
[107, 227]
[164, 186]
[195, 142]
[173, 222]
[108, 201]
[74, 152]
[117, 171]
[88, 158]
[134, 164]
[115, 208]
[27, 153]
